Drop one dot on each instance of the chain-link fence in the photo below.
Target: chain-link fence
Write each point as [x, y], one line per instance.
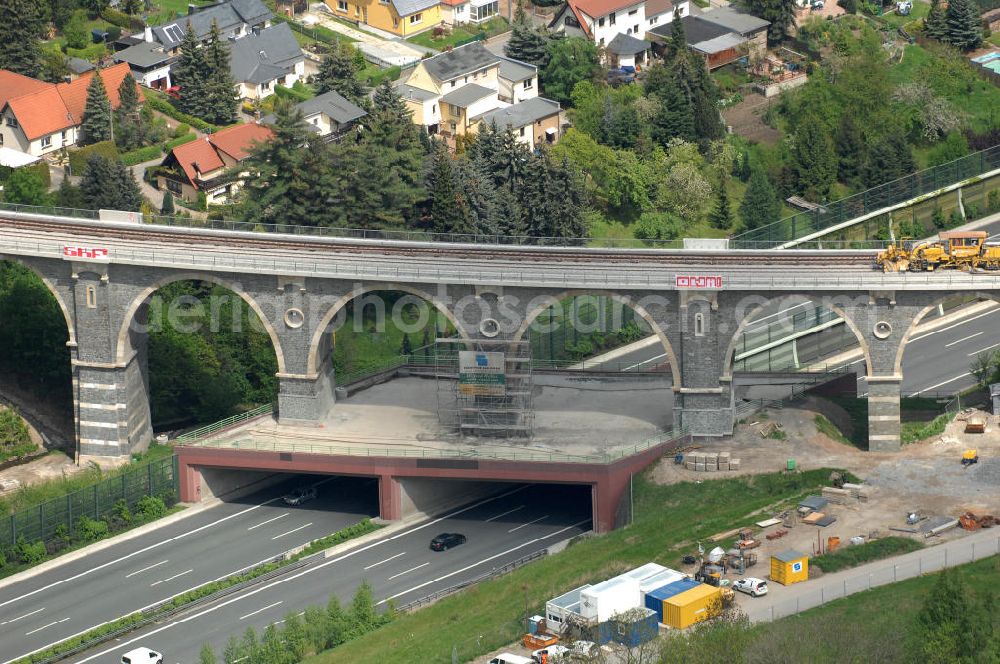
[40, 522]
[819, 592]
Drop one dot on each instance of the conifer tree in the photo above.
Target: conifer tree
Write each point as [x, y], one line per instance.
[20, 31]
[814, 158]
[722, 215]
[339, 72]
[526, 44]
[760, 205]
[167, 208]
[851, 149]
[442, 213]
[964, 24]
[477, 198]
[109, 185]
[220, 88]
[96, 124]
[935, 25]
[129, 129]
[189, 74]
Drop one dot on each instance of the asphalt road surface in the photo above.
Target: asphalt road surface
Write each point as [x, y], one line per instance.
[400, 567]
[79, 595]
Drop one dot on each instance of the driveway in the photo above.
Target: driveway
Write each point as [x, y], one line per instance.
[383, 49]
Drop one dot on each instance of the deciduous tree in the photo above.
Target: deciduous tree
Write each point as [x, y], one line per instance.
[25, 186]
[571, 60]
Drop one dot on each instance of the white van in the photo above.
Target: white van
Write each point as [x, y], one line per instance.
[507, 658]
[142, 656]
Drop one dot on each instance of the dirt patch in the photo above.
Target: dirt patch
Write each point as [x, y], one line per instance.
[746, 119]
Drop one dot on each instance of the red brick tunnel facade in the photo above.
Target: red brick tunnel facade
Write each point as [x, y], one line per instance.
[607, 481]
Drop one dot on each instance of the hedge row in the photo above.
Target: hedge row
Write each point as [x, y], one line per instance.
[151, 152]
[180, 140]
[165, 107]
[91, 53]
[41, 167]
[78, 158]
[121, 19]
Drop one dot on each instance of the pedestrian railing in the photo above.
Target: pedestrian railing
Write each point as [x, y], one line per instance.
[221, 425]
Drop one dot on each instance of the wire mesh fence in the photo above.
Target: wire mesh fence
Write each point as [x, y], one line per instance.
[40, 522]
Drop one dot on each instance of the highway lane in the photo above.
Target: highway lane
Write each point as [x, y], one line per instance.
[136, 573]
[400, 567]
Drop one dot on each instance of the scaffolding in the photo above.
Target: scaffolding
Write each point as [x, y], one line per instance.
[496, 403]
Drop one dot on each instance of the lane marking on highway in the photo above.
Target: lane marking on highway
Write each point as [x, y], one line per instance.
[953, 326]
[293, 530]
[46, 626]
[144, 569]
[268, 586]
[264, 523]
[652, 359]
[958, 341]
[950, 380]
[494, 518]
[982, 350]
[137, 553]
[280, 622]
[483, 561]
[175, 576]
[7, 622]
[528, 523]
[412, 569]
[269, 606]
[386, 560]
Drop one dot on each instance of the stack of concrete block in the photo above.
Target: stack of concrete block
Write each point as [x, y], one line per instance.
[711, 461]
[734, 464]
[723, 460]
[858, 491]
[838, 496]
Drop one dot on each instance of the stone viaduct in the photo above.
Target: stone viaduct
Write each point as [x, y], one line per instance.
[697, 301]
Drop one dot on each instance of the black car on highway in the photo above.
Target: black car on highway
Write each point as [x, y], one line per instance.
[447, 541]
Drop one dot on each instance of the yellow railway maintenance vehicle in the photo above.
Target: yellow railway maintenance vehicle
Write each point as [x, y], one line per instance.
[957, 250]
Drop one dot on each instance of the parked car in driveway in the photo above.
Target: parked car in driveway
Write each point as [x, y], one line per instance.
[752, 586]
[300, 495]
[447, 541]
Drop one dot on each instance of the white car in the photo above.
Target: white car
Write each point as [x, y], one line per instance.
[584, 649]
[556, 653]
[752, 586]
[142, 656]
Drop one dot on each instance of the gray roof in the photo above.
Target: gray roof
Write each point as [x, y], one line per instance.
[407, 91]
[333, 105]
[264, 56]
[227, 15]
[624, 44]
[719, 44]
[696, 29]
[467, 95]
[735, 21]
[407, 7]
[515, 70]
[814, 502]
[522, 114]
[79, 65]
[143, 55]
[460, 61]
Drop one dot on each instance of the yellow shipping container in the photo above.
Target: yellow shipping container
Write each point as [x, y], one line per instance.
[789, 567]
[692, 606]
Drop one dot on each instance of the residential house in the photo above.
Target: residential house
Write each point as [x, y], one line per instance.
[400, 17]
[78, 66]
[265, 59]
[235, 18]
[38, 117]
[662, 11]
[207, 165]
[720, 36]
[330, 114]
[450, 93]
[627, 51]
[149, 62]
[602, 20]
[533, 122]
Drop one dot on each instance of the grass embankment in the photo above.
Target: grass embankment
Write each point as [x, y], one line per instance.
[922, 418]
[852, 556]
[669, 519]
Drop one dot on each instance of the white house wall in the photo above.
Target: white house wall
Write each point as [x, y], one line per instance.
[626, 22]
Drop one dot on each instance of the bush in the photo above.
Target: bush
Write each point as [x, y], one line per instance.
[180, 140]
[115, 17]
[163, 106]
[122, 512]
[78, 158]
[147, 153]
[91, 53]
[291, 93]
[993, 200]
[90, 530]
[150, 507]
[3, 560]
[852, 556]
[181, 130]
[29, 553]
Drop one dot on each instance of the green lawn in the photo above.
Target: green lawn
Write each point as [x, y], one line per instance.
[459, 33]
[669, 519]
[176, 5]
[919, 11]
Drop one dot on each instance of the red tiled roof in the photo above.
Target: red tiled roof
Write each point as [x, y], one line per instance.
[655, 7]
[237, 141]
[234, 142]
[453, 3]
[45, 108]
[599, 8]
[199, 152]
[14, 85]
[74, 94]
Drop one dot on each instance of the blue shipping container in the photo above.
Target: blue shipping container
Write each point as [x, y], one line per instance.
[632, 634]
[654, 598]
